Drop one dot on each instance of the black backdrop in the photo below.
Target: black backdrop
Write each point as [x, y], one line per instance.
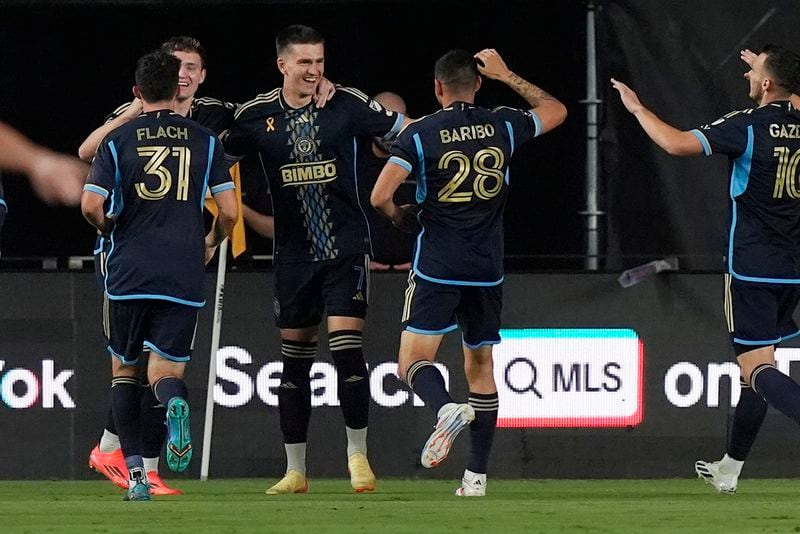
[63, 68]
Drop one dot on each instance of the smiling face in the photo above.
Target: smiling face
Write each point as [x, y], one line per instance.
[191, 74]
[302, 66]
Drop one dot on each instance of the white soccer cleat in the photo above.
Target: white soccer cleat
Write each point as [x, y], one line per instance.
[453, 418]
[472, 485]
[711, 473]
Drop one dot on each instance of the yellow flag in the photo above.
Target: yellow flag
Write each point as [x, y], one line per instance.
[238, 244]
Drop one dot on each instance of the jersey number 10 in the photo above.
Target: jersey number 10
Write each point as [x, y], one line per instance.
[786, 177]
[488, 164]
[155, 166]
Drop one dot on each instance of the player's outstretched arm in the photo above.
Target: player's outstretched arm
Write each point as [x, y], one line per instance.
[55, 177]
[263, 225]
[672, 140]
[92, 142]
[550, 111]
[223, 224]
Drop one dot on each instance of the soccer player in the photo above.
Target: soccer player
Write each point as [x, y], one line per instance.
[106, 458]
[321, 239]
[391, 248]
[156, 170]
[763, 256]
[460, 156]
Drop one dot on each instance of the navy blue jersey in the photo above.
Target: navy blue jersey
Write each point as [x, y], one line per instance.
[309, 157]
[460, 156]
[214, 114]
[156, 170]
[763, 147]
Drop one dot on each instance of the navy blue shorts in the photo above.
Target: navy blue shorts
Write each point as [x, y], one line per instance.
[759, 315]
[432, 308]
[304, 291]
[166, 328]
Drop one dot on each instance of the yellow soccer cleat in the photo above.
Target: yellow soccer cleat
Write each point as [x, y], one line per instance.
[361, 476]
[292, 482]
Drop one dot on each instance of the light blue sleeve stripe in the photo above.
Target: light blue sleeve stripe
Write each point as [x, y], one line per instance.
[703, 141]
[3, 203]
[398, 123]
[211, 143]
[537, 123]
[511, 136]
[403, 163]
[422, 180]
[96, 189]
[222, 187]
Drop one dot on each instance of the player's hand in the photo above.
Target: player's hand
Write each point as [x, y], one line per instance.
[628, 96]
[405, 218]
[748, 57]
[491, 65]
[134, 110]
[325, 90]
[57, 178]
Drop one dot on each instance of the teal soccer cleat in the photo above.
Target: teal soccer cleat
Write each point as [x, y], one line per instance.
[179, 443]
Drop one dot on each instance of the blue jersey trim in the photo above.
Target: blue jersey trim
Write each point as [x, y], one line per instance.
[537, 122]
[121, 357]
[96, 189]
[456, 282]
[703, 141]
[222, 187]
[422, 180]
[757, 342]
[163, 354]
[146, 296]
[511, 138]
[742, 164]
[358, 195]
[116, 206]
[481, 344]
[211, 144]
[431, 332]
[403, 163]
[3, 203]
[398, 123]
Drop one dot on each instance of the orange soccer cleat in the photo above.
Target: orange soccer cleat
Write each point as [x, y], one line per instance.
[111, 465]
[159, 487]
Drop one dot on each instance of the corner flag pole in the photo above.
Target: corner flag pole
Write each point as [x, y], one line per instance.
[212, 360]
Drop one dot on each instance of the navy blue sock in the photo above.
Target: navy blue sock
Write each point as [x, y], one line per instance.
[168, 387]
[747, 419]
[481, 430]
[294, 393]
[125, 393]
[353, 379]
[779, 390]
[110, 426]
[427, 381]
[154, 429]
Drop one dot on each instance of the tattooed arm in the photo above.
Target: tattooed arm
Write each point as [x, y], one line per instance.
[551, 112]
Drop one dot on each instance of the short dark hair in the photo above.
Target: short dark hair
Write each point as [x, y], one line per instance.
[457, 69]
[157, 76]
[296, 34]
[784, 66]
[184, 43]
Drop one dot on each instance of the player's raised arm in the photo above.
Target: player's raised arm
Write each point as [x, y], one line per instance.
[671, 139]
[89, 146]
[550, 111]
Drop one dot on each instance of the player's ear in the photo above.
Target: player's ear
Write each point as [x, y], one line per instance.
[478, 84]
[202, 76]
[136, 92]
[281, 65]
[437, 88]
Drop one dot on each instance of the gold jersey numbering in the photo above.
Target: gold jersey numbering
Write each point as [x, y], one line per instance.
[487, 165]
[155, 166]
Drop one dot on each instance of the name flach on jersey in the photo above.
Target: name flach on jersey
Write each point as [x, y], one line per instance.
[785, 131]
[467, 133]
[316, 172]
[168, 132]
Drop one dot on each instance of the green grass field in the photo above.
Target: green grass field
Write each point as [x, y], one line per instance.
[679, 505]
